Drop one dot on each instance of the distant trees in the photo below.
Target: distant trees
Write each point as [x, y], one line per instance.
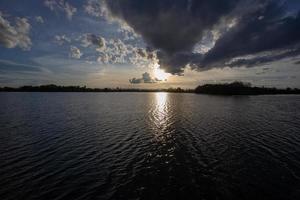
[235, 88]
[240, 88]
[56, 88]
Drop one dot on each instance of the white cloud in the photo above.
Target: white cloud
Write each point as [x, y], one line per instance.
[16, 35]
[96, 8]
[210, 37]
[103, 58]
[75, 52]
[39, 19]
[62, 39]
[61, 5]
[89, 39]
[146, 78]
[128, 34]
[116, 51]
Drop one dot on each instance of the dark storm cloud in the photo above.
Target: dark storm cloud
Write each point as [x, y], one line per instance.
[171, 25]
[174, 63]
[263, 59]
[265, 30]
[174, 27]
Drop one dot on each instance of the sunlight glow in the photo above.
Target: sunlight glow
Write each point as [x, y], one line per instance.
[160, 74]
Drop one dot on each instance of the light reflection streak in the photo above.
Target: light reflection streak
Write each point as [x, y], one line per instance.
[161, 110]
[160, 116]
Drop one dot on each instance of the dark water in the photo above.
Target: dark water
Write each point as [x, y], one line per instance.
[148, 146]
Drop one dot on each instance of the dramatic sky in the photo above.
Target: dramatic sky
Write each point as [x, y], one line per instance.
[149, 43]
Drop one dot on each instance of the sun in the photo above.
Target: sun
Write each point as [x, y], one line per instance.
[160, 74]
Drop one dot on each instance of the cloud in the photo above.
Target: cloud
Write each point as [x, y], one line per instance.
[264, 30]
[62, 6]
[103, 58]
[39, 19]
[128, 34]
[115, 51]
[16, 35]
[263, 58]
[229, 29]
[10, 66]
[110, 51]
[89, 39]
[62, 39]
[95, 8]
[98, 8]
[172, 26]
[75, 52]
[146, 78]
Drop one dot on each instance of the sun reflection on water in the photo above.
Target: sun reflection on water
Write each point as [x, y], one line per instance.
[161, 109]
[160, 116]
[162, 125]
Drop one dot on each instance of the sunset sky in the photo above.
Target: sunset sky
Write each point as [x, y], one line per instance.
[149, 43]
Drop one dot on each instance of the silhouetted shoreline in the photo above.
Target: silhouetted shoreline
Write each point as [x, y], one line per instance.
[240, 88]
[56, 88]
[235, 88]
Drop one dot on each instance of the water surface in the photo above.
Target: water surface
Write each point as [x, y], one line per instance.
[148, 146]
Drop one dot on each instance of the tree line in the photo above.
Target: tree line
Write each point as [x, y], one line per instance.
[234, 88]
[240, 88]
[57, 88]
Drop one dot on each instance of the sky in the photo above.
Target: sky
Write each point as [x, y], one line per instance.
[149, 44]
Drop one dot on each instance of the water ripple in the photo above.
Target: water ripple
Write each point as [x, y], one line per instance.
[148, 146]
